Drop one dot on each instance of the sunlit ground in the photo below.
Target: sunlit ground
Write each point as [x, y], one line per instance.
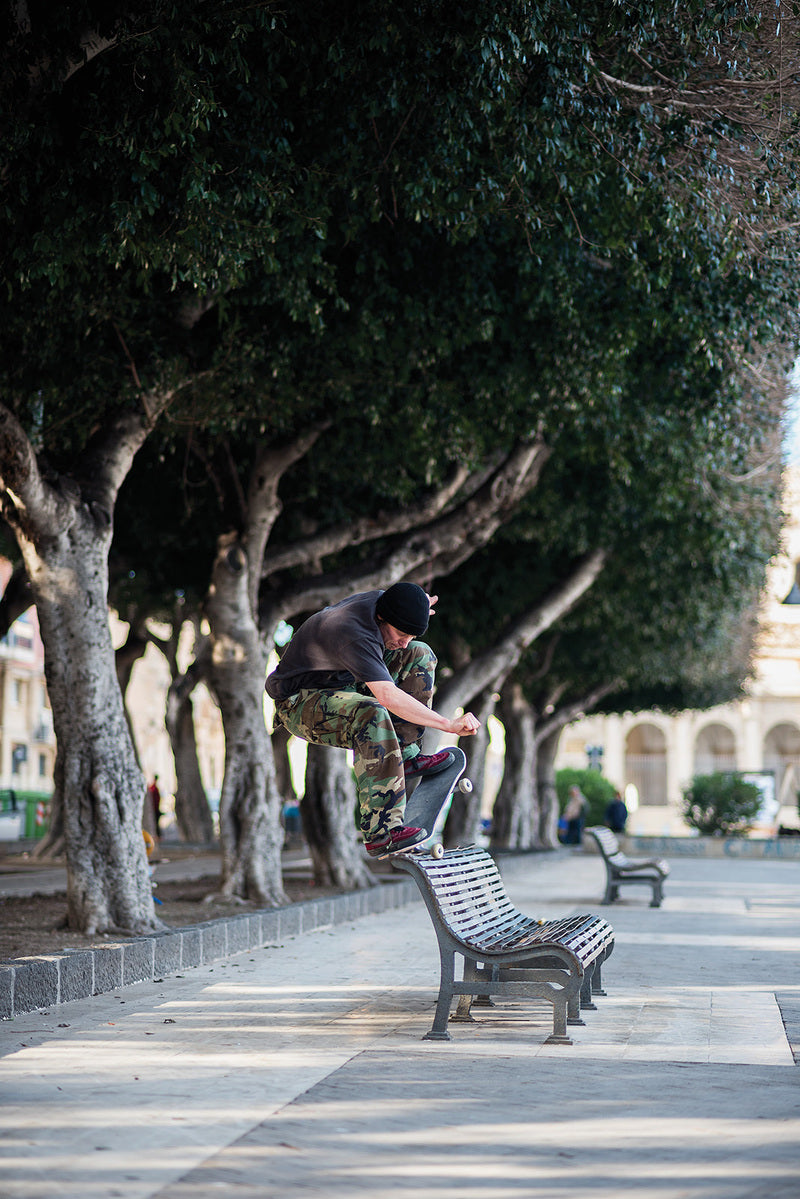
[302, 1069]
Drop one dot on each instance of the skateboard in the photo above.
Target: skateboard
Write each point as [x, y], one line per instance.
[428, 805]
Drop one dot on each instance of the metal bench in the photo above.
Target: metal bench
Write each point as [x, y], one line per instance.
[504, 951]
[620, 869]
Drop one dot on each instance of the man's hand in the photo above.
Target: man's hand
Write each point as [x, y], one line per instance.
[465, 726]
[432, 599]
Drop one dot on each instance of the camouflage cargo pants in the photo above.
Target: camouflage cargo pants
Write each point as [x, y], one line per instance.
[353, 718]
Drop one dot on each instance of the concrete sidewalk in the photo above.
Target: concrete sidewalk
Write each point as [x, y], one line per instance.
[300, 1068]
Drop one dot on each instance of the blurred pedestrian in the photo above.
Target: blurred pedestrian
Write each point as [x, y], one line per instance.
[617, 814]
[154, 797]
[575, 815]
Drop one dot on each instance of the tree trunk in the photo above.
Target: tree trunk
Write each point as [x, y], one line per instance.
[464, 819]
[250, 803]
[192, 813]
[249, 814]
[280, 753]
[328, 813]
[99, 788]
[516, 818]
[63, 529]
[547, 737]
[546, 787]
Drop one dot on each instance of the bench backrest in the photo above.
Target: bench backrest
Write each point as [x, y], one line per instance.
[607, 842]
[469, 892]
[464, 891]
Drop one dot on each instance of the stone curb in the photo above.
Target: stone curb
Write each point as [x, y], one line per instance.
[30, 983]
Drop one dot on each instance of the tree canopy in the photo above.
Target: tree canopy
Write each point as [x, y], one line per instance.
[444, 235]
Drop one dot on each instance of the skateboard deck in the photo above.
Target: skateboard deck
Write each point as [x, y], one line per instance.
[428, 805]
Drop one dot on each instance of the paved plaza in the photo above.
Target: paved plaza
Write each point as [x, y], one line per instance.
[300, 1068]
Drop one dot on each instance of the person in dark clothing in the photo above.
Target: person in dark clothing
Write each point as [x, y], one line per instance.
[575, 816]
[617, 814]
[355, 675]
[154, 796]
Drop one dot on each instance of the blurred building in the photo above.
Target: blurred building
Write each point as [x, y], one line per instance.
[652, 757]
[27, 740]
[27, 743]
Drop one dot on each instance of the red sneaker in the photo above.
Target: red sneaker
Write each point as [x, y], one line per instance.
[428, 763]
[402, 837]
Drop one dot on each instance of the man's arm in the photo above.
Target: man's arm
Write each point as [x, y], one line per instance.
[401, 704]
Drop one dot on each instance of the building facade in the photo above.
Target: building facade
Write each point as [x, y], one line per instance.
[27, 742]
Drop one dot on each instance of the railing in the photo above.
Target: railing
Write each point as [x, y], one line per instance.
[648, 773]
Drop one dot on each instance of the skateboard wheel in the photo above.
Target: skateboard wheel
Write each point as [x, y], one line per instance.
[465, 785]
[437, 850]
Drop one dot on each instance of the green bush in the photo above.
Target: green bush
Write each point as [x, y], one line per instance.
[597, 789]
[721, 804]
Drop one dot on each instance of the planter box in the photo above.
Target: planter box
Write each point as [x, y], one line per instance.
[787, 848]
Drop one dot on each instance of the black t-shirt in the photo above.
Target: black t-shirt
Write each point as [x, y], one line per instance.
[334, 648]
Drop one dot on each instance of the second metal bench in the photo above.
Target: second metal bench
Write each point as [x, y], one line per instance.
[621, 869]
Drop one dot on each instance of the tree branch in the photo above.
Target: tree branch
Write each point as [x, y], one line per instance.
[16, 598]
[572, 711]
[435, 547]
[366, 528]
[498, 661]
[107, 458]
[32, 507]
[263, 502]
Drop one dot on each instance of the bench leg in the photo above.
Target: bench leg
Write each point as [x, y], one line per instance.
[574, 1010]
[597, 978]
[439, 1032]
[559, 1034]
[655, 902]
[586, 990]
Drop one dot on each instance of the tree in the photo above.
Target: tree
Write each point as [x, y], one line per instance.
[669, 620]
[63, 536]
[91, 277]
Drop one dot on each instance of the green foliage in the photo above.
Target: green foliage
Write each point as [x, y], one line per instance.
[595, 786]
[720, 804]
[273, 165]
[449, 229]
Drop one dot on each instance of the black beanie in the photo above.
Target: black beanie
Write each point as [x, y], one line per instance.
[406, 607]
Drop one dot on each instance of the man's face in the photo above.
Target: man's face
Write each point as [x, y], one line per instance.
[392, 637]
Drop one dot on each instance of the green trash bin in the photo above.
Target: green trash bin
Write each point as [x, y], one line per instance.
[37, 816]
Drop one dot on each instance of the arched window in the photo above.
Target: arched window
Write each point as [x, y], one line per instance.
[782, 757]
[714, 749]
[646, 763]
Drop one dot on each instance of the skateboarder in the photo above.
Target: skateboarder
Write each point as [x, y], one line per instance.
[355, 676]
